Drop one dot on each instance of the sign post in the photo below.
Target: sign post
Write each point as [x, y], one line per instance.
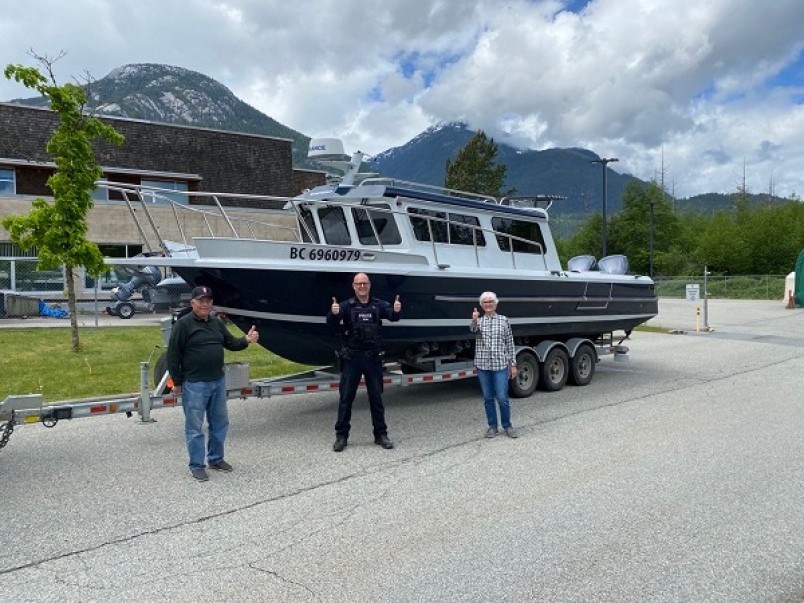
[693, 295]
[706, 301]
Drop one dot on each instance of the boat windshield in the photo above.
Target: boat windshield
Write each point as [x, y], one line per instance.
[333, 223]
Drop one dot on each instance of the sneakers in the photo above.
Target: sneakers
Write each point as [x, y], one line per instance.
[511, 433]
[491, 432]
[340, 444]
[200, 474]
[220, 466]
[384, 442]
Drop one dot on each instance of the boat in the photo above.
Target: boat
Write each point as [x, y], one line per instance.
[435, 248]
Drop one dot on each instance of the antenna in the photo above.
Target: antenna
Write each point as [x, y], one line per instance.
[329, 152]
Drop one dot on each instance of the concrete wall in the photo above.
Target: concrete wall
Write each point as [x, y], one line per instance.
[112, 223]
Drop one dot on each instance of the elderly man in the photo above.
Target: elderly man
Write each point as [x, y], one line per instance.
[195, 362]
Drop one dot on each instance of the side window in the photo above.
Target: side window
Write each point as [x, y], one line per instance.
[383, 222]
[422, 226]
[333, 223]
[529, 231]
[463, 235]
[7, 182]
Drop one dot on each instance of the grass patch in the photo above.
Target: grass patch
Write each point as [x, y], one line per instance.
[651, 329]
[41, 361]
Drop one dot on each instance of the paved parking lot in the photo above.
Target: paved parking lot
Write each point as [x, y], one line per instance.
[675, 476]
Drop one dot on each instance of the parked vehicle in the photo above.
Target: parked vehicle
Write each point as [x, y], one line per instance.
[158, 294]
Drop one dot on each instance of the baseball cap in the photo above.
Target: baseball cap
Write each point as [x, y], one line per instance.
[200, 292]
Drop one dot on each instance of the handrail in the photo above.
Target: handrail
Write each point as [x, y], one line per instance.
[430, 187]
[132, 193]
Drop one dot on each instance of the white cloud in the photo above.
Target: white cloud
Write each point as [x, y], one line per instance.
[628, 78]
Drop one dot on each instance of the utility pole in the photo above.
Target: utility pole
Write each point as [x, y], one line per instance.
[604, 161]
[650, 272]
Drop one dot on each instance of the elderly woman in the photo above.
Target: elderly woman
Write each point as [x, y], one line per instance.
[495, 363]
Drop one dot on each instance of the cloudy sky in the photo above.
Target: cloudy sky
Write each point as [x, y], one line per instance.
[715, 86]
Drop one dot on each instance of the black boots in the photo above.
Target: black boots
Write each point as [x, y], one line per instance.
[384, 442]
[340, 442]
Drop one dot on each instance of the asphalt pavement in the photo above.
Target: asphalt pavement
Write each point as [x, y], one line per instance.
[677, 475]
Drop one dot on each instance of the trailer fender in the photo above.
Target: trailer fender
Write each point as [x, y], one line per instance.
[574, 343]
[545, 347]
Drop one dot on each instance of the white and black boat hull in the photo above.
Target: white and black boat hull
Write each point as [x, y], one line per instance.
[289, 307]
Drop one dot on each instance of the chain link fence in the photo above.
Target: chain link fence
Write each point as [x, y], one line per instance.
[120, 292]
[752, 286]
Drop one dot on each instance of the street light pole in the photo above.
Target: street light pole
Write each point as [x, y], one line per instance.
[650, 273]
[604, 161]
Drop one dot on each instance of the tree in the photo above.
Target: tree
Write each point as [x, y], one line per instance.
[474, 169]
[630, 230]
[58, 229]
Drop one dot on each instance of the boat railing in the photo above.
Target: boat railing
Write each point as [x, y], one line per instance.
[544, 202]
[429, 188]
[147, 198]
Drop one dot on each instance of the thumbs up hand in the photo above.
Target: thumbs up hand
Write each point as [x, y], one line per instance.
[397, 305]
[475, 314]
[336, 308]
[252, 336]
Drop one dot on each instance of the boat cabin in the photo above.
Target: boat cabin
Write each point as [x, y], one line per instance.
[452, 231]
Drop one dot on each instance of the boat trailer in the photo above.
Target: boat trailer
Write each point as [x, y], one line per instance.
[550, 365]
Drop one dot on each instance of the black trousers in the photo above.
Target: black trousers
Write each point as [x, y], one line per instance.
[368, 365]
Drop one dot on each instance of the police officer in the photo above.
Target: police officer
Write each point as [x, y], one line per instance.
[362, 356]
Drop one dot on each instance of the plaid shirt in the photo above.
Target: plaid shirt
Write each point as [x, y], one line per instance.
[494, 345]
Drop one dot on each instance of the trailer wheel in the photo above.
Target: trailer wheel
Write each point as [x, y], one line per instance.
[555, 370]
[125, 310]
[582, 365]
[527, 376]
[160, 368]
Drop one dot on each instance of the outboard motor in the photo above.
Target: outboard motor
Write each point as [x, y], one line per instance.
[144, 278]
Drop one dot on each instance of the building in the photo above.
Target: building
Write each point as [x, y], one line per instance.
[174, 157]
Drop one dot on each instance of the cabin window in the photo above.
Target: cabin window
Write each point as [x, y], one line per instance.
[307, 221]
[383, 222]
[422, 226]
[333, 223]
[7, 182]
[464, 235]
[100, 193]
[164, 197]
[529, 231]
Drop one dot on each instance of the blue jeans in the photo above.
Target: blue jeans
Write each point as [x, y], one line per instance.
[495, 385]
[208, 398]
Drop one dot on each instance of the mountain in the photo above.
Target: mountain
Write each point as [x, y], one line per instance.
[166, 94]
[565, 172]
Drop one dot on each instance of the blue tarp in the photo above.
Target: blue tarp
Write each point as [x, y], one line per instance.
[45, 310]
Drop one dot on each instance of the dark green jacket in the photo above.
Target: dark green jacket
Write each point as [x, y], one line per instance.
[195, 350]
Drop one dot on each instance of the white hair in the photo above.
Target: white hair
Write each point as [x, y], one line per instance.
[487, 295]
